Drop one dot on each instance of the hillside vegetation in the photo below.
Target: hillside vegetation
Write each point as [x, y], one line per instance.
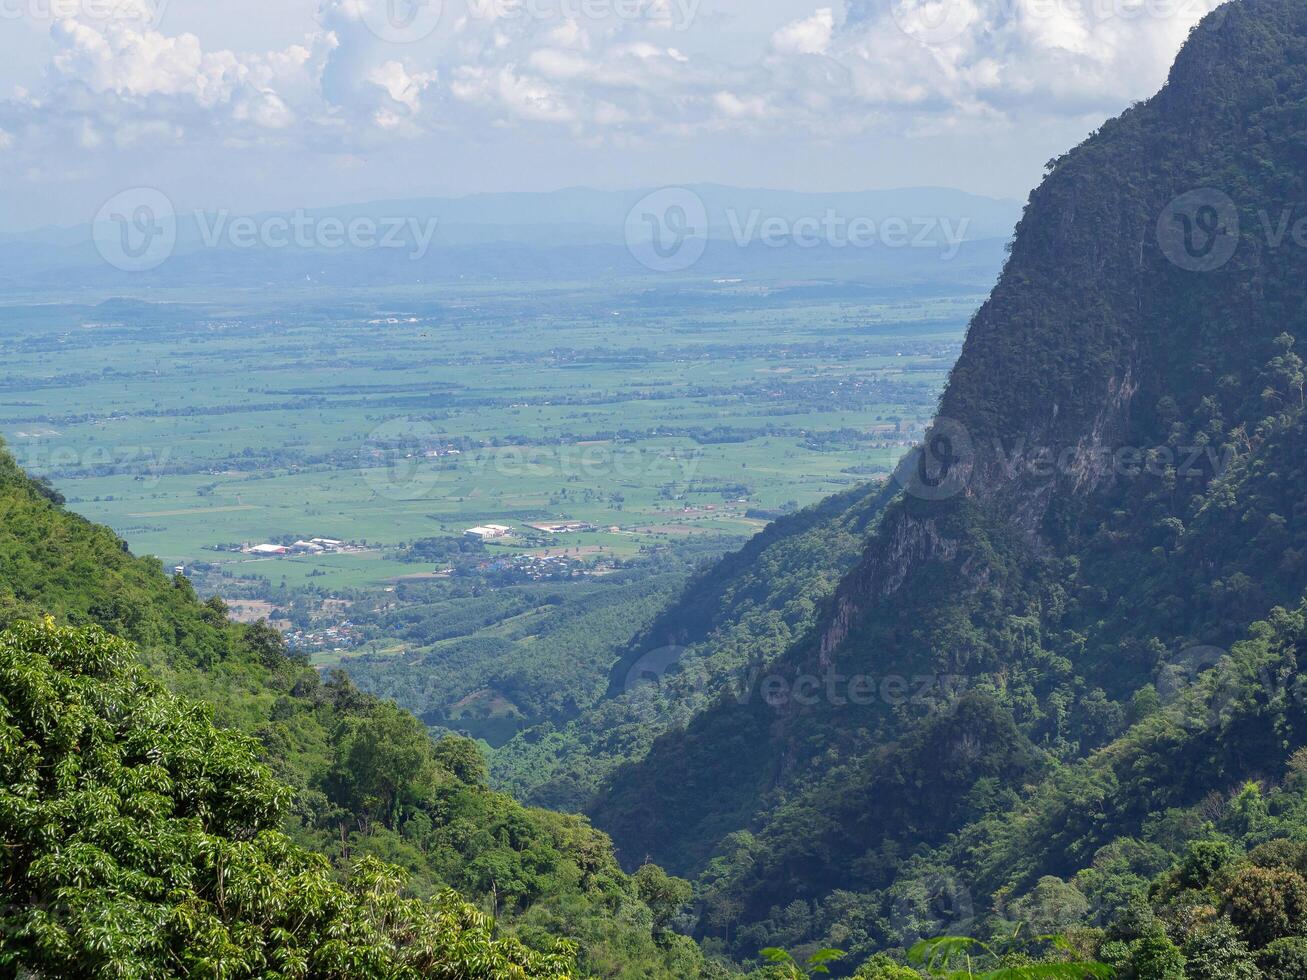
[324, 786]
[1125, 526]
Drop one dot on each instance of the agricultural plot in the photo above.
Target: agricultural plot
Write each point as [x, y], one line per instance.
[196, 424]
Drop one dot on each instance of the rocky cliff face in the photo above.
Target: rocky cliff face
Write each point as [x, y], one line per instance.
[1049, 540]
[1041, 405]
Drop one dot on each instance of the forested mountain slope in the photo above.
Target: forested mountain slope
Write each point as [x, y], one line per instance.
[732, 620]
[339, 773]
[1112, 496]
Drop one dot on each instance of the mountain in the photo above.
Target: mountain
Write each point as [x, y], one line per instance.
[182, 797]
[909, 235]
[734, 617]
[1049, 680]
[1102, 539]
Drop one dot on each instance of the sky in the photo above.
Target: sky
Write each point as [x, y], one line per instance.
[252, 105]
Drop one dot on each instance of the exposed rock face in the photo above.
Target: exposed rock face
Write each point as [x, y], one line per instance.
[898, 549]
[1045, 388]
[1106, 340]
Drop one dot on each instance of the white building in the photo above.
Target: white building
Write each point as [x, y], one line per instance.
[486, 532]
[269, 549]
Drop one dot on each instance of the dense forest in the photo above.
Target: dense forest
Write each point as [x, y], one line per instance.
[183, 797]
[1034, 708]
[1091, 633]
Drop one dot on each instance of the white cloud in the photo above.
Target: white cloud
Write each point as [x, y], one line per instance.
[905, 65]
[734, 107]
[559, 64]
[809, 36]
[517, 96]
[400, 85]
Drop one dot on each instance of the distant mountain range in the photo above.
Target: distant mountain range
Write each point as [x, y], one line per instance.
[696, 230]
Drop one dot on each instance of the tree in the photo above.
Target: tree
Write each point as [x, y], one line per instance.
[382, 760]
[462, 757]
[137, 839]
[956, 957]
[1218, 952]
[1203, 859]
[664, 895]
[1155, 957]
[1267, 903]
[881, 967]
[1051, 906]
[263, 640]
[1284, 959]
[811, 967]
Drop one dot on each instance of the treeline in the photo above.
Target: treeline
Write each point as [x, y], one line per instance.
[322, 766]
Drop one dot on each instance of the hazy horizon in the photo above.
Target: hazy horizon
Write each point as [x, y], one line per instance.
[258, 106]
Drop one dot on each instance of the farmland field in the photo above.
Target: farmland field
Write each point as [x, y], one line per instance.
[194, 423]
[663, 423]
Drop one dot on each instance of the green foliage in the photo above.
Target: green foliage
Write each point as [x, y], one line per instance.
[463, 758]
[1284, 959]
[1203, 859]
[881, 967]
[383, 762]
[1155, 957]
[957, 957]
[1080, 776]
[1219, 952]
[666, 896]
[355, 778]
[492, 661]
[1268, 903]
[1051, 906]
[731, 619]
[138, 840]
[811, 966]
[1129, 642]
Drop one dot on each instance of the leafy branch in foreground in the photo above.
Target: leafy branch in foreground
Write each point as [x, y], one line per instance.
[963, 958]
[949, 958]
[811, 967]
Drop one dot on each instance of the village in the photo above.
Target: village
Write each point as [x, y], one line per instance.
[492, 532]
[340, 637]
[313, 546]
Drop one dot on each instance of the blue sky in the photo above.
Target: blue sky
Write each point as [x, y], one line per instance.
[259, 104]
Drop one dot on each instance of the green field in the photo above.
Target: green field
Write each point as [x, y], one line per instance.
[193, 422]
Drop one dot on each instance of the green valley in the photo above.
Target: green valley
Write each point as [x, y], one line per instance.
[593, 598]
